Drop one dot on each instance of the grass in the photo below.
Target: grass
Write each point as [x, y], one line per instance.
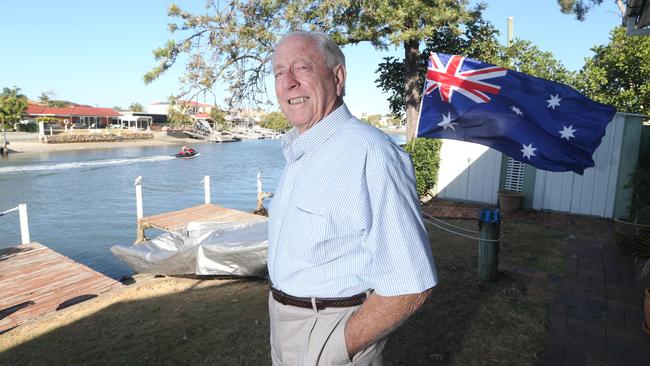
[210, 322]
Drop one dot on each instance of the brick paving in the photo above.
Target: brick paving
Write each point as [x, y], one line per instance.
[597, 306]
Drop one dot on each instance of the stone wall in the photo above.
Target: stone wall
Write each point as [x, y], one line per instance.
[66, 138]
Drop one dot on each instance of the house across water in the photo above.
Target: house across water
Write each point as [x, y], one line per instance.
[74, 116]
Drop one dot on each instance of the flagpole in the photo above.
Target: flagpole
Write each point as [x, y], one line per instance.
[417, 125]
[511, 30]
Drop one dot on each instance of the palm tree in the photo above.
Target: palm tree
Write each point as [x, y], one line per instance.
[45, 97]
[136, 107]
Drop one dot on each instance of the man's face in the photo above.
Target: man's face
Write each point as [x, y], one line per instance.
[306, 88]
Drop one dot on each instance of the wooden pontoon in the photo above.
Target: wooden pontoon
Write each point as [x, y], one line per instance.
[35, 280]
[176, 220]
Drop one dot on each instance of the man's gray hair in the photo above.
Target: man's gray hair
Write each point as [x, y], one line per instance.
[329, 50]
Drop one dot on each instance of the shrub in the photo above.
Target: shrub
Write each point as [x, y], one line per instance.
[27, 127]
[425, 154]
[640, 185]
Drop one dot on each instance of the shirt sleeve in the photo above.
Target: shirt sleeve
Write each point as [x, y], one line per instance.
[397, 242]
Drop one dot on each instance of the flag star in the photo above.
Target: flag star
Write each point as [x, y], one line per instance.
[528, 150]
[446, 122]
[567, 132]
[517, 111]
[554, 101]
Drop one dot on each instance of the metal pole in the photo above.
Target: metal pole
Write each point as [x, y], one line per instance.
[206, 188]
[24, 226]
[511, 30]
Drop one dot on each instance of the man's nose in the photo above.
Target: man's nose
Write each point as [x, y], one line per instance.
[289, 80]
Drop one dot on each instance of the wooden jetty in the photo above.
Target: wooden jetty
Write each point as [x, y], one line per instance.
[35, 280]
[176, 220]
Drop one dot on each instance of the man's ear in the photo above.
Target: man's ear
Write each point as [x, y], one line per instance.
[339, 78]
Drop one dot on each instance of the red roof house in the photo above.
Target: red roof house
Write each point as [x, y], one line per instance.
[82, 116]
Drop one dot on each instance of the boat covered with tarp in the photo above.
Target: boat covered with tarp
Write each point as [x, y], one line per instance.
[202, 248]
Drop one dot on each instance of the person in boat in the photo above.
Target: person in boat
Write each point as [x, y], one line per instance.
[349, 260]
[186, 150]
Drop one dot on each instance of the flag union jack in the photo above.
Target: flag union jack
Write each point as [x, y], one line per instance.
[448, 78]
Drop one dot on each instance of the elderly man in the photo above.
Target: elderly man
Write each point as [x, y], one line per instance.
[349, 258]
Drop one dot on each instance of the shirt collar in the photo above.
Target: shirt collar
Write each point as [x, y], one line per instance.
[295, 145]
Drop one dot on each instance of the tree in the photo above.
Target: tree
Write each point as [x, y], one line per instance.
[619, 73]
[474, 37]
[136, 107]
[372, 119]
[276, 121]
[45, 97]
[117, 108]
[177, 114]
[580, 8]
[12, 105]
[233, 42]
[394, 120]
[479, 41]
[218, 118]
[525, 57]
[58, 103]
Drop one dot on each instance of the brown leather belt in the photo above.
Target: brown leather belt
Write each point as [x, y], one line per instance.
[321, 303]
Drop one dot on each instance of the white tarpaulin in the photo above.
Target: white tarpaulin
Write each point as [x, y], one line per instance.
[204, 248]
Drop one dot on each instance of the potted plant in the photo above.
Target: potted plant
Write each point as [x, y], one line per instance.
[510, 201]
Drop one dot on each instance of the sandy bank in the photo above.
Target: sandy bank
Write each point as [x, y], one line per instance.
[25, 143]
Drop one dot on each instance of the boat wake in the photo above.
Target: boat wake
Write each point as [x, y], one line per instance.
[83, 164]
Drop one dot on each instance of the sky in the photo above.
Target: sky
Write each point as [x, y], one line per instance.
[96, 52]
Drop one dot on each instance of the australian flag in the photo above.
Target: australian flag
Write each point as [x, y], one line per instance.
[540, 122]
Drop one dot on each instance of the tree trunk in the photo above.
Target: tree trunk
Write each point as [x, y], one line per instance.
[411, 87]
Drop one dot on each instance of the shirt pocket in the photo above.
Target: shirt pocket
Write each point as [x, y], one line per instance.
[308, 234]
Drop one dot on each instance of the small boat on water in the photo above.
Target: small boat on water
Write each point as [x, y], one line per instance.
[190, 153]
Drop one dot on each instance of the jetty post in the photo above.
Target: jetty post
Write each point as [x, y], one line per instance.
[261, 195]
[206, 188]
[488, 244]
[24, 225]
[139, 211]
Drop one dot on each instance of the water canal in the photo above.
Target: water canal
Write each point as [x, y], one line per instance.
[80, 203]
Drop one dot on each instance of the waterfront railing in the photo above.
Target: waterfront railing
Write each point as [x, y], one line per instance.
[24, 226]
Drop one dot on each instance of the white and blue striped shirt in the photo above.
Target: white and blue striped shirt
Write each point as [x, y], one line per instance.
[345, 217]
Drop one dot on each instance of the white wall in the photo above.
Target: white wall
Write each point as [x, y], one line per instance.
[157, 108]
[468, 172]
[592, 193]
[471, 172]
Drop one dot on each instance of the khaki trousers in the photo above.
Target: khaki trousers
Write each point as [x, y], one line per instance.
[309, 337]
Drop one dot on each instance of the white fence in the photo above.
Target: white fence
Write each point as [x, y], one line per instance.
[471, 172]
[468, 172]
